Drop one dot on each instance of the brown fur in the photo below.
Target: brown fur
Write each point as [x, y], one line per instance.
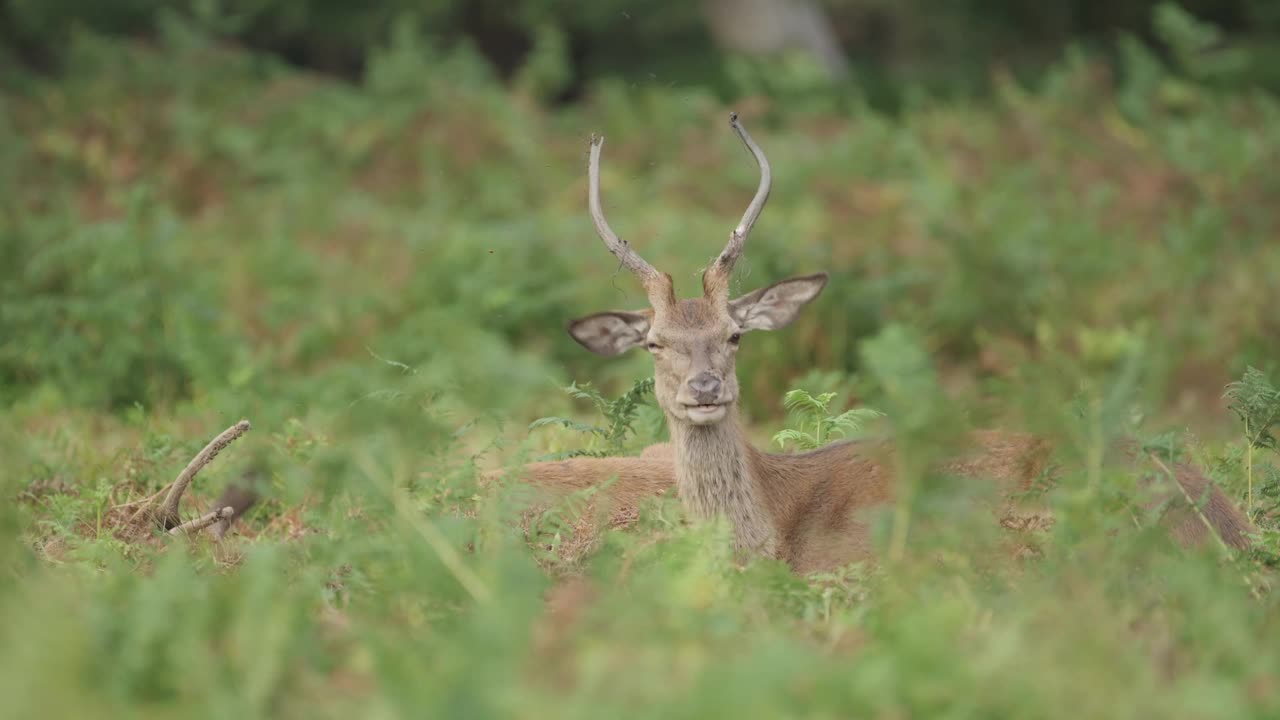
[808, 509]
[636, 478]
[816, 502]
[1197, 509]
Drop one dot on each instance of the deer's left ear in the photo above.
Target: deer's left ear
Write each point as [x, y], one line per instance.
[611, 333]
[774, 307]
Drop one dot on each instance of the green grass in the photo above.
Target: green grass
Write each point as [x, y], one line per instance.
[379, 275]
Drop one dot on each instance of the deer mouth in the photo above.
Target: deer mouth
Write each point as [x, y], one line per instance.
[706, 413]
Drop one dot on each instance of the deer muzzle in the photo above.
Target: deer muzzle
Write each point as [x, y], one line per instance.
[703, 399]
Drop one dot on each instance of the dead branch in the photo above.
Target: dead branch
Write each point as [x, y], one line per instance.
[167, 514]
[203, 521]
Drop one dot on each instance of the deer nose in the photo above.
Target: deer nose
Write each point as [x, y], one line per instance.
[705, 387]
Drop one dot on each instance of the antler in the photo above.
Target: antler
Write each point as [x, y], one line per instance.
[656, 284]
[715, 281]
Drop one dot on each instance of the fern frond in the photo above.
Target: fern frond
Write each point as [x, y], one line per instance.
[810, 411]
[852, 421]
[586, 392]
[802, 440]
[619, 418]
[569, 424]
[1257, 403]
[803, 401]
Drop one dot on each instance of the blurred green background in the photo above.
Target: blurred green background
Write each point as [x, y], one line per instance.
[364, 227]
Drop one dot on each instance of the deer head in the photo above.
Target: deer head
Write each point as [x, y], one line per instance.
[694, 342]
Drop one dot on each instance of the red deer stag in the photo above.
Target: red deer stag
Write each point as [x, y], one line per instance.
[801, 508]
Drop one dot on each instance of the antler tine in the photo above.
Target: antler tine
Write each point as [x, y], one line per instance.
[717, 277]
[620, 248]
[762, 193]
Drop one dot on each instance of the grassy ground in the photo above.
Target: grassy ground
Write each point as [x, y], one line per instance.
[378, 276]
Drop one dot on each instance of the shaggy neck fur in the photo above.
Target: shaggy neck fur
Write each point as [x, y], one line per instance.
[714, 477]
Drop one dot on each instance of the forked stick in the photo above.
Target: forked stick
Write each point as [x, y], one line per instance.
[203, 521]
[167, 514]
[169, 510]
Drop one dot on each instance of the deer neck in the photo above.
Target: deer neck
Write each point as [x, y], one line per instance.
[714, 476]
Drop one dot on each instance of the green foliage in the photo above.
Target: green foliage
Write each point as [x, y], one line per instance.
[815, 426]
[1257, 403]
[900, 52]
[377, 273]
[923, 424]
[1198, 47]
[547, 71]
[619, 417]
[114, 296]
[906, 379]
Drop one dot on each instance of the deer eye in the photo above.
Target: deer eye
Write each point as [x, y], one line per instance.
[653, 347]
[735, 338]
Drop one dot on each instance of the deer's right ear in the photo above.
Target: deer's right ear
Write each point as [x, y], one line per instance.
[611, 333]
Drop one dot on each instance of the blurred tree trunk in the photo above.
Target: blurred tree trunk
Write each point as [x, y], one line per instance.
[765, 27]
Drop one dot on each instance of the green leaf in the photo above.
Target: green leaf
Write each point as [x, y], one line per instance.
[1257, 403]
[852, 421]
[619, 417]
[803, 440]
[810, 411]
[569, 424]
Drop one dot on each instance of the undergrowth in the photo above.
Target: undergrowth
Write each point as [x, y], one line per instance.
[618, 418]
[191, 234]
